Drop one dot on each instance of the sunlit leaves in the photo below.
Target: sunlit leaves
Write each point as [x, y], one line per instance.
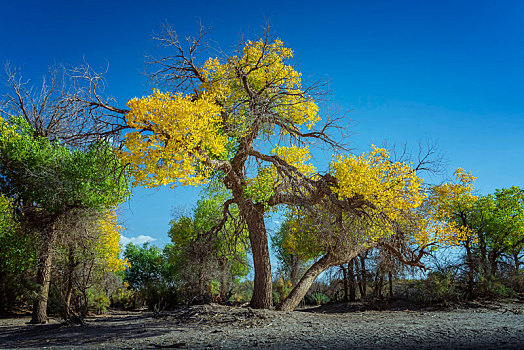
[108, 242]
[55, 177]
[175, 135]
[392, 187]
[446, 210]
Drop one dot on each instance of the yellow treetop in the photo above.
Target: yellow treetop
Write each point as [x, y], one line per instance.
[261, 73]
[442, 210]
[176, 136]
[392, 187]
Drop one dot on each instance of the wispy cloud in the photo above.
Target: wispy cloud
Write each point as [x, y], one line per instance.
[136, 240]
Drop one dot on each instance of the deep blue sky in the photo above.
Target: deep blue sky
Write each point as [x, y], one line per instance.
[451, 72]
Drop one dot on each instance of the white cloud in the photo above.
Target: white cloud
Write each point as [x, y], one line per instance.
[136, 240]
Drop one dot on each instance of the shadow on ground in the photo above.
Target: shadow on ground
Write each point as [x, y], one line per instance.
[120, 327]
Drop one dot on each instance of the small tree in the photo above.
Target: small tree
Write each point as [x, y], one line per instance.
[203, 255]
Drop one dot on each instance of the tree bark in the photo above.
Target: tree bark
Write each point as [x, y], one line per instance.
[390, 279]
[363, 278]
[263, 287]
[484, 255]
[224, 279]
[471, 267]
[70, 277]
[346, 282]
[43, 275]
[351, 277]
[294, 270]
[299, 292]
[516, 261]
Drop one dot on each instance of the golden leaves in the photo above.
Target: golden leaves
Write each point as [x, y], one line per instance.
[444, 211]
[392, 187]
[108, 242]
[173, 139]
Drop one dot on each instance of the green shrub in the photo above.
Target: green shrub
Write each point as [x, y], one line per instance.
[317, 298]
[281, 290]
[438, 287]
[98, 301]
[124, 298]
[160, 297]
[493, 288]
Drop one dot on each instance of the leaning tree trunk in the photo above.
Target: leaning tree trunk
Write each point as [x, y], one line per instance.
[263, 287]
[299, 292]
[43, 275]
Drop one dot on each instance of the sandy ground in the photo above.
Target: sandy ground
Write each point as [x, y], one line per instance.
[485, 326]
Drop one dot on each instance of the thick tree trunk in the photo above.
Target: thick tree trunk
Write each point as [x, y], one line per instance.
[263, 286]
[299, 292]
[43, 276]
[224, 279]
[516, 261]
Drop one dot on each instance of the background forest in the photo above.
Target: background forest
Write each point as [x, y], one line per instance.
[240, 125]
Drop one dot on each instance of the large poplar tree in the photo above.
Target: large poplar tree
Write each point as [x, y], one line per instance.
[248, 119]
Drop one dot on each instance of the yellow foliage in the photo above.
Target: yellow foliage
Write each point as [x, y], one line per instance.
[108, 242]
[391, 187]
[297, 157]
[173, 137]
[267, 74]
[442, 211]
[176, 135]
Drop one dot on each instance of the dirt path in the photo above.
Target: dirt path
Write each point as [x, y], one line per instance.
[499, 326]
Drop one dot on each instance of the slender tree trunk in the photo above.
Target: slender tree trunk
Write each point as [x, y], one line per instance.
[484, 256]
[471, 267]
[351, 277]
[346, 284]
[294, 270]
[363, 278]
[390, 280]
[297, 294]
[263, 286]
[379, 284]
[516, 261]
[358, 275]
[70, 277]
[43, 275]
